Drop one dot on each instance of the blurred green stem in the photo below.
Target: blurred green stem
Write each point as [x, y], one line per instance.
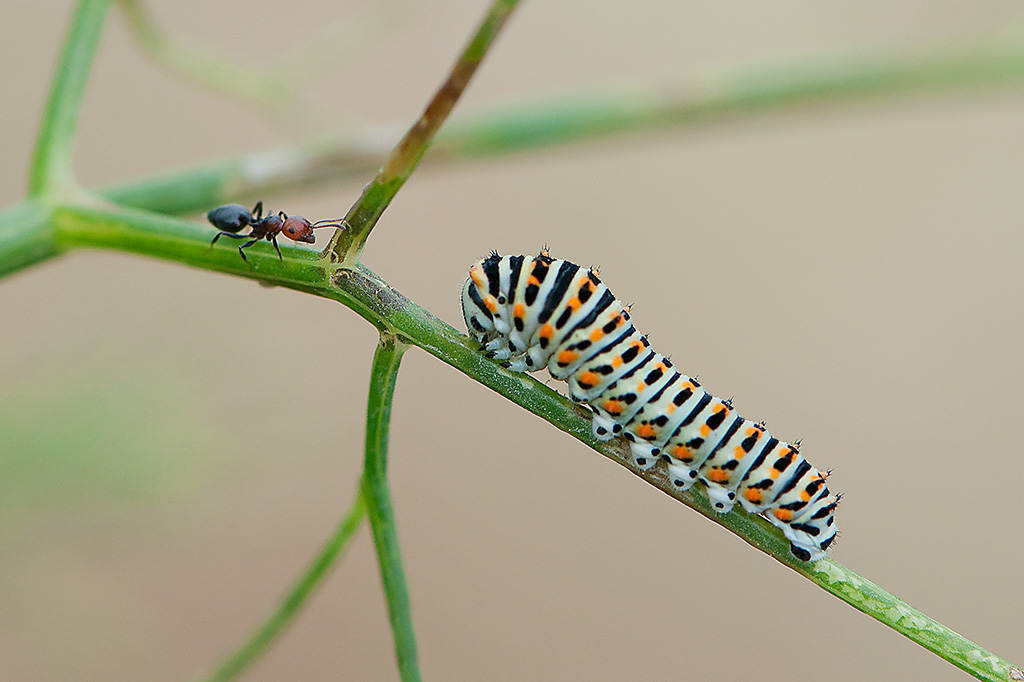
[586, 117]
[295, 599]
[50, 173]
[275, 89]
[377, 497]
[26, 236]
[255, 87]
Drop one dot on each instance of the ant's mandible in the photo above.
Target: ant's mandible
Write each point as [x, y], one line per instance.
[231, 219]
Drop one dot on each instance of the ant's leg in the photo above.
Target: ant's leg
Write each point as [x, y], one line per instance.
[226, 234]
[273, 240]
[257, 210]
[245, 246]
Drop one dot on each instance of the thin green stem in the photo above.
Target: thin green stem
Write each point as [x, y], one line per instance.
[366, 294]
[377, 496]
[579, 118]
[295, 599]
[51, 160]
[347, 243]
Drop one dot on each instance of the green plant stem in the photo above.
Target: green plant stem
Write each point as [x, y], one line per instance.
[26, 236]
[51, 160]
[295, 599]
[577, 118]
[365, 293]
[377, 496]
[347, 243]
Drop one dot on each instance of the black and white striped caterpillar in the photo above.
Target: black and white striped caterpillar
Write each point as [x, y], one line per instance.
[531, 313]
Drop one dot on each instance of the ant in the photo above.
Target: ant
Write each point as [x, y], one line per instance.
[233, 218]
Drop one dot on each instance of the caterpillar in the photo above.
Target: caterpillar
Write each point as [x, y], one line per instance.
[534, 312]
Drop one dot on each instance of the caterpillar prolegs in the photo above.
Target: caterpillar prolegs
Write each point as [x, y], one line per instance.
[536, 312]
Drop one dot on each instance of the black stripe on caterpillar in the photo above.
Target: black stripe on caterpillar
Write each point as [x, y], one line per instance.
[531, 313]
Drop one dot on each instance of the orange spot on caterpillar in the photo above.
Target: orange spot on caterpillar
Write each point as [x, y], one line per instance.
[718, 476]
[519, 311]
[547, 331]
[589, 378]
[753, 495]
[646, 431]
[491, 303]
[782, 514]
[597, 334]
[612, 406]
[567, 356]
[682, 452]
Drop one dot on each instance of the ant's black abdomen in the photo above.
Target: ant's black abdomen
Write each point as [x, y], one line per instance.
[230, 217]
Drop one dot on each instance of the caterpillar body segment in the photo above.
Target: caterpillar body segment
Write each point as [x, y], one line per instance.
[532, 313]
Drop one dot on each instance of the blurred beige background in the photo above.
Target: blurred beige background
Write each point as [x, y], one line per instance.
[175, 445]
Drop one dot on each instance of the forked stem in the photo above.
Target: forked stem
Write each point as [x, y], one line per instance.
[347, 244]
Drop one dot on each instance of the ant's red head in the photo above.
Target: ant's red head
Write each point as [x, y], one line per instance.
[298, 229]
